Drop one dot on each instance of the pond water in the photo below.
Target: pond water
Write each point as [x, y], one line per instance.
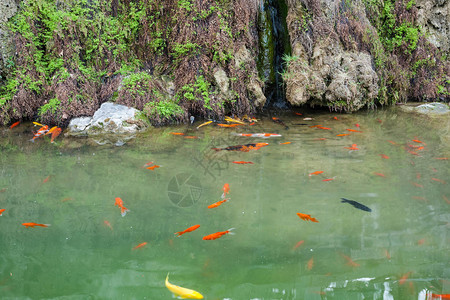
[399, 250]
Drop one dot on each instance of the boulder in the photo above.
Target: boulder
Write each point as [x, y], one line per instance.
[433, 108]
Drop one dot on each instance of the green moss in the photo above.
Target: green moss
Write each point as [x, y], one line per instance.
[52, 106]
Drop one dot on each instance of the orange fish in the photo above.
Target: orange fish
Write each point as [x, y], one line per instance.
[439, 296]
[108, 224]
[393, 143]
[42, 131]
[46, 179]
[285, 143]
[417, 185]
[353, 147]
[412, 152]
[418, 175]
[357, 125]
[343, 134]
[190, 137]
[226, 190]
[14, 125]
[350, 262]
[229, 125]
[387, 254]
[306, 217]
[320, 139]
[1, 211]
[176, 133]
[438, 180]
[441, 158]
[252, 123]
[379, 121]
[420, 148]
[152, 167]
[192, 228]
[55, 134]
[384, 156]
[298, 244]
[31, 224]
[298, 114]
[315, 173]
[123, 209]
[241, 162]
[218, 203]
[67, 199]
[353, 130]
[446, 199]
[139, 246]
[217, 235]
[421, 242]
[404, 278]
[379, 174]
[310, 263]
[315, 126]
[328, 179]
[417, 141]
[335, 118]
[147, 164]
[324, 128]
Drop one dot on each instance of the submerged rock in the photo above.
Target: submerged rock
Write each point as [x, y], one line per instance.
[433, 108]
[110, 119]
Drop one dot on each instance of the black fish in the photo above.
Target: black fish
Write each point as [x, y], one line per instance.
[302, 124]
[243, 148]
[278, 121]
[356, 204]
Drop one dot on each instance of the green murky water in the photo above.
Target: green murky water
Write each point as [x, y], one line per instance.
[79, 257]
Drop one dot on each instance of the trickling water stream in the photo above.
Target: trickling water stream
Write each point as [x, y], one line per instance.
[273, 44]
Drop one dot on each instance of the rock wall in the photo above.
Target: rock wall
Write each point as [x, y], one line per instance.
[7, 9]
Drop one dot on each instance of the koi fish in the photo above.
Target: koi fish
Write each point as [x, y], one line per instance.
[441, 158]
[263, 135]
[298, 114]
[228, 119]
[243, 148]
[438, 296]
[38, 124]
[417, 141]
[335, 118]
[190, 137]
[123, 209]
[108, 224]
[285, 143]
[356, 204]
[55, 134]
[218, 203]
[357, 125]
[31, 224]
[393, 143]
[176, 133]
[387, 254]
[204, 124]
[353, 147]
[412, 152]
[42, 131]
[152, 167]
[328, 179]
[46, 179]
[147, 164]
[192, 228]
[14, 125]
[353, 130]
[226, 190]
[310, 263]
[446, 199]
[306, 217]
[417, 184]
[350, 262]
[278, 121]
[379, 174]
[182, 292]
[404, 278]
[251, 124]
[421, 242]
[217, 235]
[438, 180]
[229, 125]
[343, 134]
[384, 156]
[324, 128]
[139, 246]
[298, 244]
[313, 126]
[315, 173]
[1, 211]
[241, 162]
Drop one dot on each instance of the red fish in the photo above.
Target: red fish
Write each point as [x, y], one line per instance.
[241, 162]
[252, 123]
[353, 130]
[438, 296]
[192, 228]
[152, 167]
[123, 209]
[438, 180]
[176, 133]
[1, 211]
[315, 173]
[139, 246]
[299, 243]
[328, 179]
[298, 114]
[306, 217]
[217, 235]
[343, 134]
[384, 156]
[218, 203]
[107, 224]
[310, 263]
[404, 278]
[379, 174]
[357, 125]
[147, 164]
[46, 179]
[14, 125]
[350, 262]
[31, 224]
[353, 147]
[335, 118]
[226, 190]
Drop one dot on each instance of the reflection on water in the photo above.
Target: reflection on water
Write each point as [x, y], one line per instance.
[399, 250]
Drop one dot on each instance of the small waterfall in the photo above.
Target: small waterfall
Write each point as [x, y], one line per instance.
[273, 44]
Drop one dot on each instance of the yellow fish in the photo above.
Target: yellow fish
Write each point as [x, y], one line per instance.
[38, 124]
[182, 292]
[228, 119]
[206, 123]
